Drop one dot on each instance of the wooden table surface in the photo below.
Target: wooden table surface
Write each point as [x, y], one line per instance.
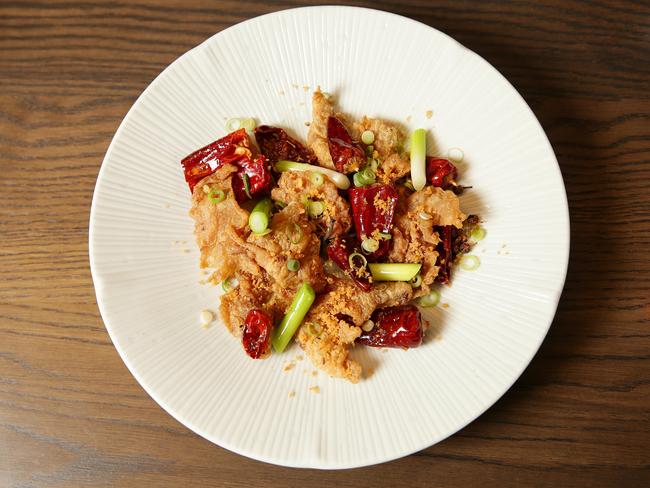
[72, 415]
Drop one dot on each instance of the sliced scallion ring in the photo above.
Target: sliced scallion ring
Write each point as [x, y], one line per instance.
[360, 257]
[385, 235]
[217, 195]
[456, 154]
[416, 282]
[430, 300]
[229, 283]
[367, 137]
[356, 179]
[374, 164]
[313, 329]
[409, 184]
[367, 175]
[248, 124]
[370, 245]
[315, 209]
[470, 262]
[478, 234]
[316, 178]
[233, 124]
[293, 265]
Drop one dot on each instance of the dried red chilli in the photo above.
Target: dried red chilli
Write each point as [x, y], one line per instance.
[373, 209]
[231, 149]
[394, 327]
[441, 173]
[277, 145]
[259, 176]
[346, 154]
[339, 251]
[256, 336]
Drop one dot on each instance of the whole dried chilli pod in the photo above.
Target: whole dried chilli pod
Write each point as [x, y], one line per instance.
[345, 152]
[345, 253]
[394, 327]
[373, 209]
[256, 337]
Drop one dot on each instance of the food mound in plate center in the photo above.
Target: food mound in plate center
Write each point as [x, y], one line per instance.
[327, 243]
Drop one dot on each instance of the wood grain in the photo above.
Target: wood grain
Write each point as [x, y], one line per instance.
[72, 415]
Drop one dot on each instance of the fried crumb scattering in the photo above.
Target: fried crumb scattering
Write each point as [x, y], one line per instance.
[292, 394]
[428, 114]
[288, 366]
[315, 389]
[206, 317]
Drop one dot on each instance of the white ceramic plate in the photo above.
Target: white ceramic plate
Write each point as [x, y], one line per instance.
[145, 264]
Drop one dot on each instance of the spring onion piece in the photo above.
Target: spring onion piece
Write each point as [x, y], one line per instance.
[229, 283]
[418, 157]
[248, 124]
[470, 262]
[258, 220]
[386, 236]
[295, 233]
[293, 265]
[247, 185]
[367, 137]
[456, 154]
[313, 329]
[430, 300]
[393, 271]
[354, 256]
[369, 150]
[478, 234]
[217, 195]
[409, 184]
[233, 124]
[373, 164]
[370, 245]
[317, 179]
[339, 179]
[425, 215]
[364, 177]
[302, 301]
[367, 175]
[416, 282]
[315, 209]
[280, 204]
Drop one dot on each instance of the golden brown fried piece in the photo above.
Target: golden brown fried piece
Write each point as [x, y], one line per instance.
[333, 323]
[296, 186]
